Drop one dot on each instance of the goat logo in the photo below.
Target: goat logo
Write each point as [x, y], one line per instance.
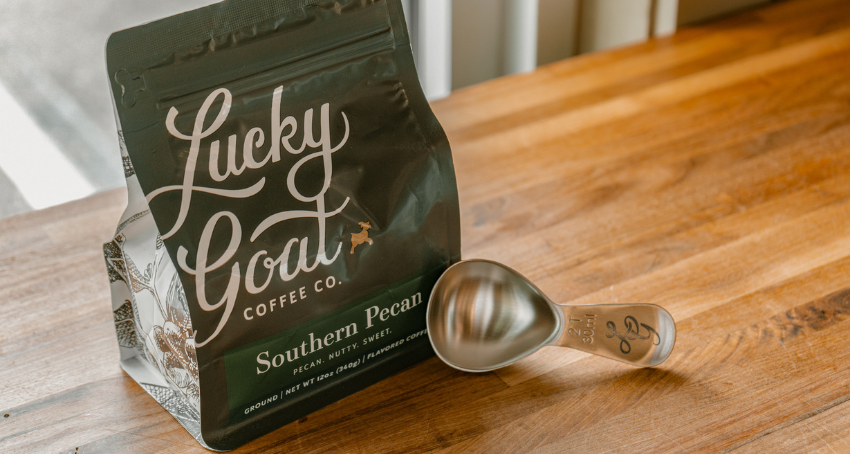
[361, 237]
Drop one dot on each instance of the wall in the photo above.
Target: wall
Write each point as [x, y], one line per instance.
[564, 28]
[693, 11]
[478, 37]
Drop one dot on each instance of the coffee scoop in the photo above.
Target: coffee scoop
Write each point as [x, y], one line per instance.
[483, 315]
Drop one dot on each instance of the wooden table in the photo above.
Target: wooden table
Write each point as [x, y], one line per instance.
[708, 173]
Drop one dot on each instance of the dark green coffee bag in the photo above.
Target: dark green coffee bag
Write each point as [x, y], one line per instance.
[292, 201]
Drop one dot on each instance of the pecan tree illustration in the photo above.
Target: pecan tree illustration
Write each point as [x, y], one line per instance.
[174, 353]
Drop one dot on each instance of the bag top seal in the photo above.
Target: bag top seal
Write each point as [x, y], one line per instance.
[128, 47]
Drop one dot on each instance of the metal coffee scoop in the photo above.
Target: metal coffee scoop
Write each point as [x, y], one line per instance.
[483, 315]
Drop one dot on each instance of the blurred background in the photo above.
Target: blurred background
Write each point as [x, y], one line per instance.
[56, 118]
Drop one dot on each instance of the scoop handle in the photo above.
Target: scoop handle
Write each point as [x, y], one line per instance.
[642, 335]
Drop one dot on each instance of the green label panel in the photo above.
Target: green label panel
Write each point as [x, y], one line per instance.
[279, 368]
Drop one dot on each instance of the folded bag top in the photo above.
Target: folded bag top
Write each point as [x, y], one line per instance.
[292, 201]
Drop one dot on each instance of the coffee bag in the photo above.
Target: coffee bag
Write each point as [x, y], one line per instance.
[292, 201]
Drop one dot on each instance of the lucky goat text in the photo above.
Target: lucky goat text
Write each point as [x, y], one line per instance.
[256, 278]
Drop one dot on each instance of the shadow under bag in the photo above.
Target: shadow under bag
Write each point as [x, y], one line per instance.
[292, 201]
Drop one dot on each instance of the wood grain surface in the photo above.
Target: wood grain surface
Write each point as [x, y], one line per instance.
[708, 172]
